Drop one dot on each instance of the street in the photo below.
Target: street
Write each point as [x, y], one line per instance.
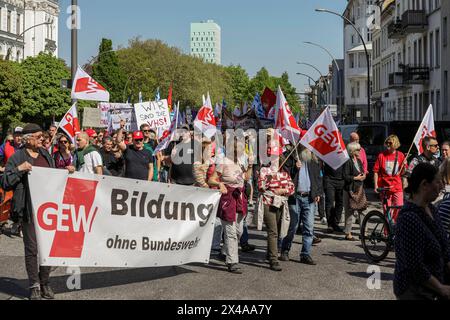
[340, 273]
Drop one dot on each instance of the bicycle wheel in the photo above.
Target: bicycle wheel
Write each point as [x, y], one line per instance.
[375, 236]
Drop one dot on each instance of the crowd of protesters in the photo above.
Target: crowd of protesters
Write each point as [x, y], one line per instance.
[288, 190]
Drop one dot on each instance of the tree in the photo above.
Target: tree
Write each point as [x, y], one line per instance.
[44, 98]
[108, 72]
[11, 94]
[262, 80]
[239, 82]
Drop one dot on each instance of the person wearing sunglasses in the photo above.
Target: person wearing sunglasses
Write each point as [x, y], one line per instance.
[11, 145]
[150, 143]
[388, 171]
[63, 157]
[138, 160]
[430, 153]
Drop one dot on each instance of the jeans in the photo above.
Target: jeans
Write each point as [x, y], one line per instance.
[217, 236]
[272, 220]
[334, 202]
[244, 237]
[37, 275]
[303, 210]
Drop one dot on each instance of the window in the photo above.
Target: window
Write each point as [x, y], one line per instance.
[352, 61]
[18, 24]
[9, 22]
[438, 48]
[431, 49]
[438, 103]
[446, 97]
[445, 35]
[358, 89]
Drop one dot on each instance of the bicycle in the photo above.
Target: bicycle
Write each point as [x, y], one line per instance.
[378, 231]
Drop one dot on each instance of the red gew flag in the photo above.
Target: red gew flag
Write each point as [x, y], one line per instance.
[86, 88]
[325, 141]
[285, 121]
[70, 124]
[426, 129]
[205, 121]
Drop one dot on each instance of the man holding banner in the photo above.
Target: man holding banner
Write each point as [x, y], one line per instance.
[16, 179]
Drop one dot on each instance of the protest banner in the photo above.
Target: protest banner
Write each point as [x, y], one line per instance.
[92, 118]
[155, 113]
[119, 112]
[102, 221]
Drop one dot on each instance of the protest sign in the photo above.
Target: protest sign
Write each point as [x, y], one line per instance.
[101, 221]
[155, 113]
[92, 118]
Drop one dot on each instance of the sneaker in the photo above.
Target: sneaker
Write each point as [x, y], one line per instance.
[234, 268]
[307, 260]
[248, 247]
[284, 256]
[275, 266]
[35, 294]
[324, 221]
[316, 240]
[47, 292]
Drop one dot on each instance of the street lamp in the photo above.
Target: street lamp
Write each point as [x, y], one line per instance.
[315, 82]
[317, 69]
[48, 22]
[339, 84]
[365, 49]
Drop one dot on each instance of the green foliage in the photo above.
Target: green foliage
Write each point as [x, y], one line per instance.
[11, 93]
[44, 98]
[240, 85]
[108, 72]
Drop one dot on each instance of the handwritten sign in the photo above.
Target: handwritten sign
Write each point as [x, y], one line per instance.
[155, 113]
[92, 118]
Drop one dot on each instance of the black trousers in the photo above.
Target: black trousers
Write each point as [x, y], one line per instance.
[334, 201]
[37, 275]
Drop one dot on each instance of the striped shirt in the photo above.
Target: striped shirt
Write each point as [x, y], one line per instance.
[444, 212]
[270, 182]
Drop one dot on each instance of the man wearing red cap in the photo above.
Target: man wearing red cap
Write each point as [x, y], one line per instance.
[138, 160]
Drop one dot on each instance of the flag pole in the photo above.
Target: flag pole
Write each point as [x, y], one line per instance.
[290, 154]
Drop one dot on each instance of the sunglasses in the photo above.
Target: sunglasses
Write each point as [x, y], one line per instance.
[139, 140]
[146, 131]
[434, 145]
[65, 142]
[389, 143]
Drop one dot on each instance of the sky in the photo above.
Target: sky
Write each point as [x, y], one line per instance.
[255, 33]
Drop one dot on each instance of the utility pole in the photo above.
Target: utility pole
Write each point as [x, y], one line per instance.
[74, 38]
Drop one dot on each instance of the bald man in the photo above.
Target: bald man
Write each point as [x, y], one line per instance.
[88, 159]
[354, 137]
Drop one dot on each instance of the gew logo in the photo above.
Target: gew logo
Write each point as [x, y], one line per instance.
[71, 219]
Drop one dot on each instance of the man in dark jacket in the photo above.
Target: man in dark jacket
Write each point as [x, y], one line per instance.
[16, 179]
[334, 197]
[305, 173]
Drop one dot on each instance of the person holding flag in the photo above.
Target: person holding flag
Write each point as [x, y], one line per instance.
[426, 143]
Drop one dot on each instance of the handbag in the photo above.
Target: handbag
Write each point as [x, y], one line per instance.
[358, 199]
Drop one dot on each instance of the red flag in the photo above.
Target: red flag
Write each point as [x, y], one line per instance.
[169, 99]
[268, 99]
[285, 121]
[70, 124]
[325, 141]
[205, 121]
[426, 129]
[86, 88]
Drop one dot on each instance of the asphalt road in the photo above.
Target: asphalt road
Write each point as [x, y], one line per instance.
[341, 273]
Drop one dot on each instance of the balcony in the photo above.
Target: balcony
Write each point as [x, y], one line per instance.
[416, 74]
[411, 74]
[412, 21]
[397, 80]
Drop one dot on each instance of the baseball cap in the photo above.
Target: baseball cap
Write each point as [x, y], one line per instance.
[138, 135]
[18, 130]
[90, 132]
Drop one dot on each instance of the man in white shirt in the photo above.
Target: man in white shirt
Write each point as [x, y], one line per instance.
[88, 159]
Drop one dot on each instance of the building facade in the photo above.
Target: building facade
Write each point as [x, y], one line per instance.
[356, 68]
[407, 66]
[445, 13]
[336, 84]
[18, 38]
[206, 41]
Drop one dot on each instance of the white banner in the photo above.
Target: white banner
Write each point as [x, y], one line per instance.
[155, 113]
[101, 221]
